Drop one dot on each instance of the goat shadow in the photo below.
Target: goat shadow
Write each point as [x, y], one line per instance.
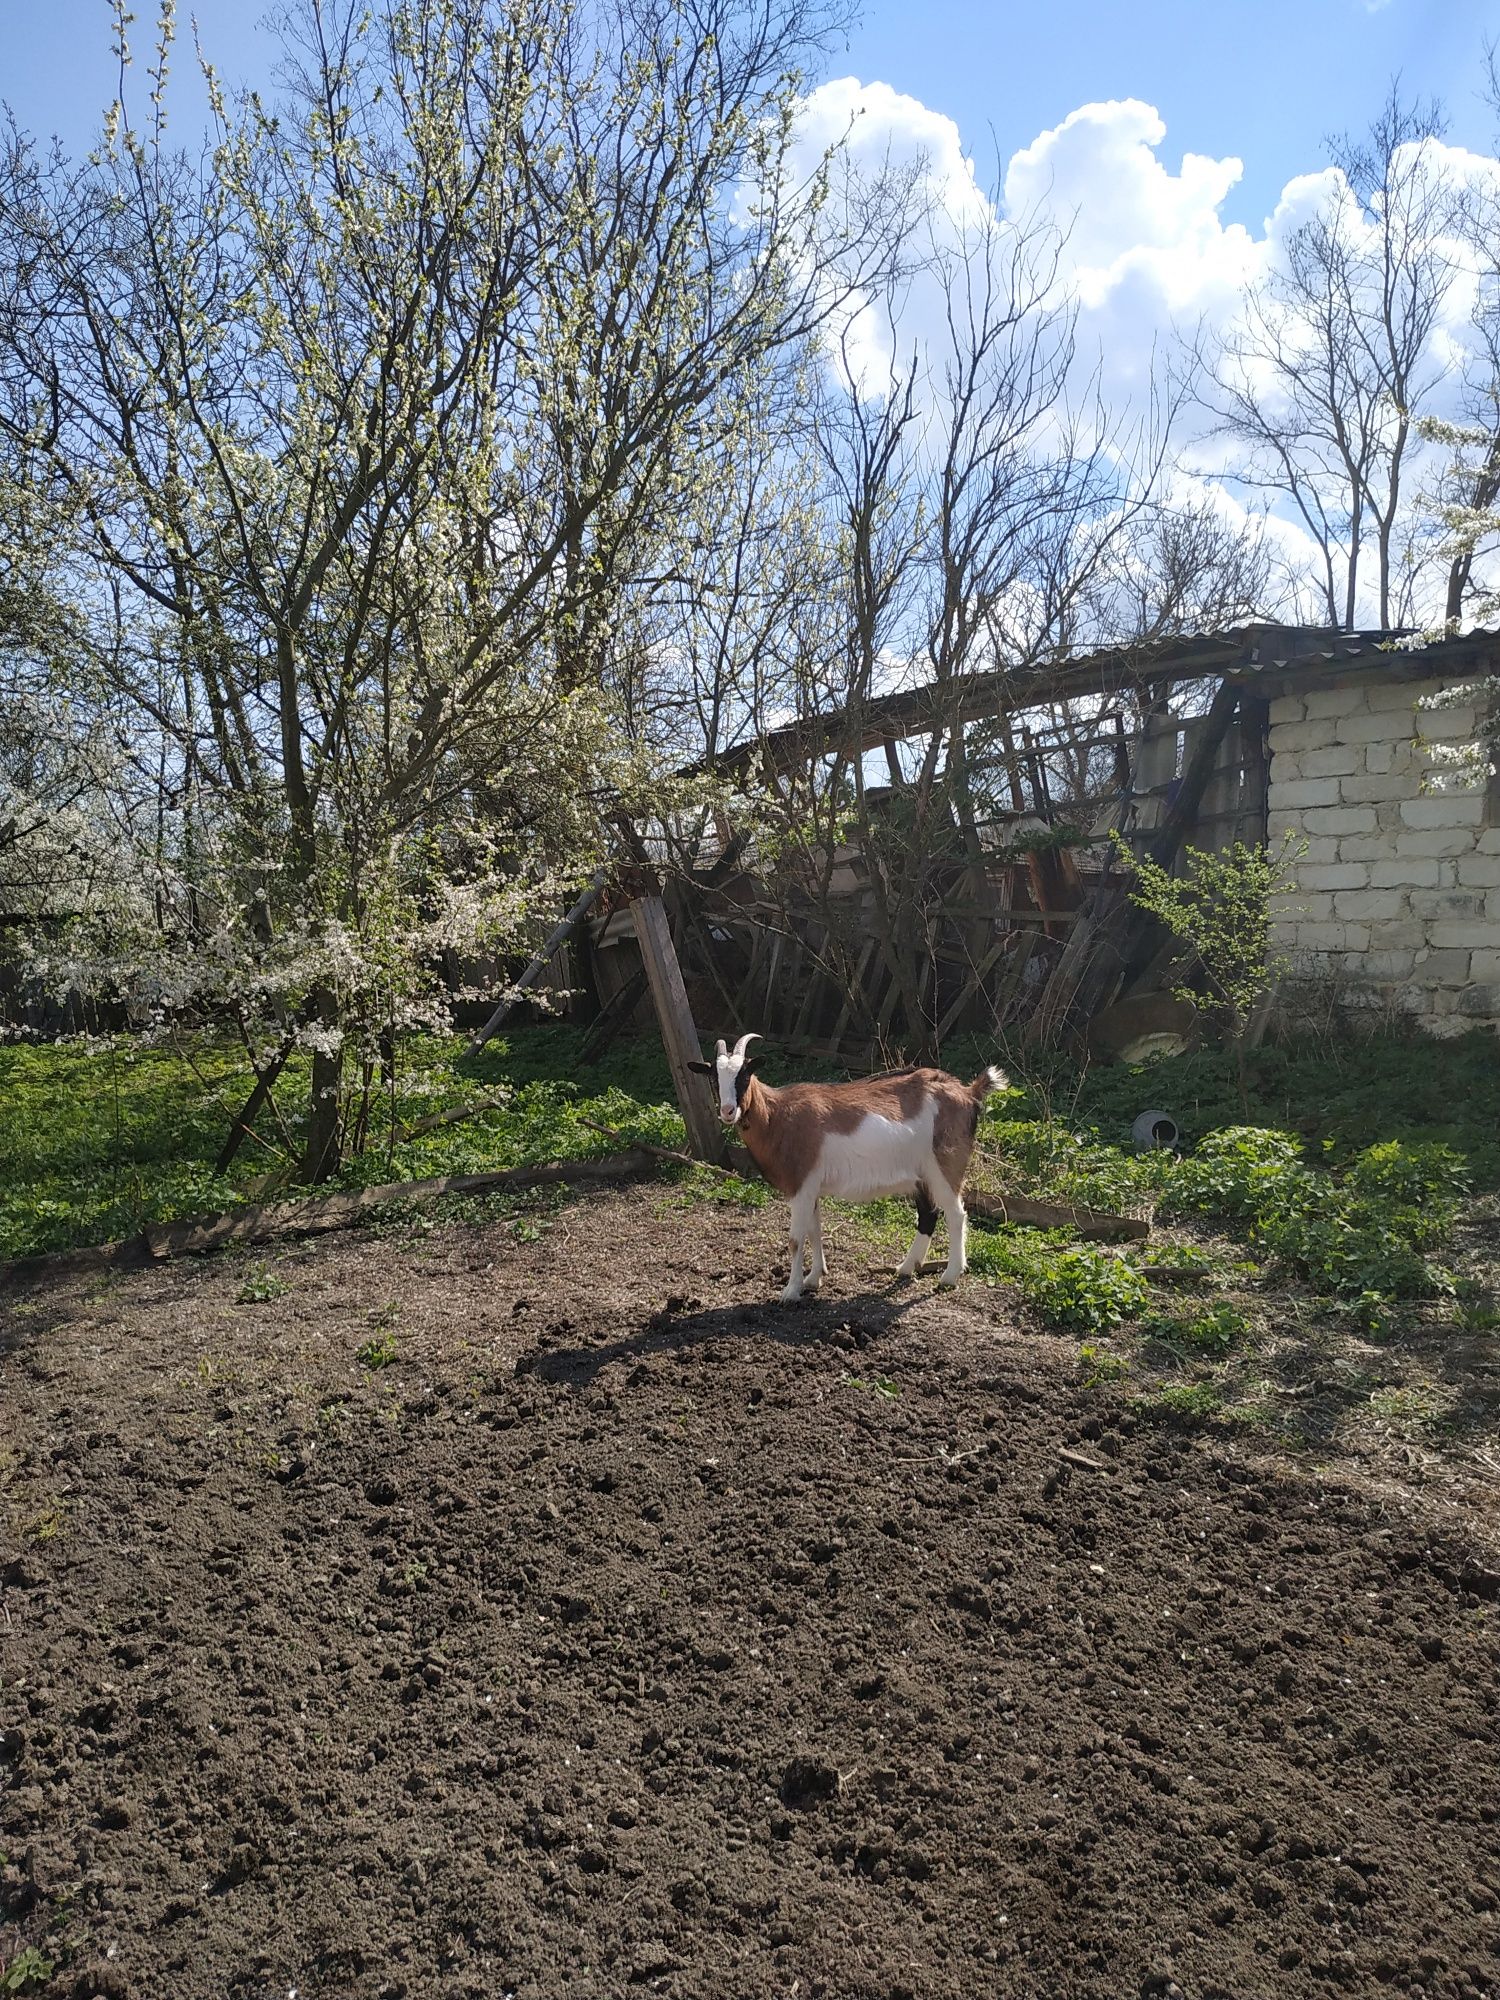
[855, 1321]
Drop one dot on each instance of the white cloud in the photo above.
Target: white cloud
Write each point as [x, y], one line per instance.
[879, 130]
[1146, 250]
[1127, 217]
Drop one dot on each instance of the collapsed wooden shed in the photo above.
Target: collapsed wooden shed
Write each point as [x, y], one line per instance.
[1020, 925]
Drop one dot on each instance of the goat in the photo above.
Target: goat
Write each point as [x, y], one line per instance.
[908, 1132]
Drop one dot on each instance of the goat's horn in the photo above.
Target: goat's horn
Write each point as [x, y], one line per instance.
[723, 1051]
[743, 1043]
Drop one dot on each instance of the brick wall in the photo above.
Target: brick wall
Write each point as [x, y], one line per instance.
[1400, 890]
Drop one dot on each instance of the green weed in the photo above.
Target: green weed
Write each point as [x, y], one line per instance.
[1359, 1237]
[27, 1969]
[377, 1354]
[881, 1384]
[1211, 1333]
[262, 1285]
[1097, 1365]
[1406, 1410]
[1183, 1402]
[1077, 1289]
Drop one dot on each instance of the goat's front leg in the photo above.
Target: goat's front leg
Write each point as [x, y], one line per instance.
[804, 1212]
[819, 1261]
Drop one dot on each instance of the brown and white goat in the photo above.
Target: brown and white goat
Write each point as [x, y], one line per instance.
[909, 1132]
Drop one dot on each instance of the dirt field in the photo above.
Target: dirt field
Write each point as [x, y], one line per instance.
[607, 1629]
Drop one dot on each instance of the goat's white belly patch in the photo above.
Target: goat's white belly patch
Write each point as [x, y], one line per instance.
[879, 1158]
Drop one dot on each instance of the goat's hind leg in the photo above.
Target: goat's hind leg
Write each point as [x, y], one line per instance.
[957, 1218]
[819, 1261]
[927, 1216]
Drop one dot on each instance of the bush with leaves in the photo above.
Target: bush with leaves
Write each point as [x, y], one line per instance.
[1076, 1289]
[1221, 905]
[1362, 1236]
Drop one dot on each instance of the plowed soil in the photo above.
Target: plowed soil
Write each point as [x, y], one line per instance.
[608, 1629]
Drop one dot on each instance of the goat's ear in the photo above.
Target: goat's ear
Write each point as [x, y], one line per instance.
[750, 1065]
[701, 1069]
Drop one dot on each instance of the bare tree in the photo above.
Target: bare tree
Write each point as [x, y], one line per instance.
[1467, 496]
[973, 487]
[1324, 376]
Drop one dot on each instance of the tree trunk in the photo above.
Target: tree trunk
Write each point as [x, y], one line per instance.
[322, 1152]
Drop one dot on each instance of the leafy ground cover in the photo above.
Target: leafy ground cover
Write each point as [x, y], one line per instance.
[96, 1139]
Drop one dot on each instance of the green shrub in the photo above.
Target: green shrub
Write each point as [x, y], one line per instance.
[1423, 1184]
[1233, 1174]
[1360, 1237]
[1076, 1289]
[1046, 1157]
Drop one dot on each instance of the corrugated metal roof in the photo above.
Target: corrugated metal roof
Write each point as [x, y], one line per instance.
[1253, 650]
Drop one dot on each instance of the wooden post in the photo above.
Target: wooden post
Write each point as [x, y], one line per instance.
[669, 995]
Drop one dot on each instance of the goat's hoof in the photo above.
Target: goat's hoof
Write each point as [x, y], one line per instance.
[789, 1297]
[948, 1280]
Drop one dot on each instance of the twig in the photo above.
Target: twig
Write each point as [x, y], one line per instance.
[1081, 1459]
[662, 1152]
[496, 1102]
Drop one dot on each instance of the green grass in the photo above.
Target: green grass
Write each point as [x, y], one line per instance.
[97, 1139]
[1339, 1097]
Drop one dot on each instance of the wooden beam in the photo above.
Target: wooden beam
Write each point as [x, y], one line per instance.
[854, 992]
[540, 963]
[339, 1211]
[679, 1035]
[612, 1016]
[971, 986]
[1023, 1213]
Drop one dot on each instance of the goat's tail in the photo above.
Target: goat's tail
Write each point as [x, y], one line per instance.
[988, 1080]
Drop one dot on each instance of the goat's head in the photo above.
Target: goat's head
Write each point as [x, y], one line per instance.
[734, 1070]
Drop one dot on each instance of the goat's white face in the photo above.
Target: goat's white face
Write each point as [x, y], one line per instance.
[729, 1067]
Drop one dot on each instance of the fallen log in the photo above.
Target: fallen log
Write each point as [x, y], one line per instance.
[741, 1167]
[497, 1101]
[543, 959]
[1088, 1223]
[338, 1211]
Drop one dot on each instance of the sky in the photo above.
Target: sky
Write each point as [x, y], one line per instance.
[1174, 144]
[1260, 81]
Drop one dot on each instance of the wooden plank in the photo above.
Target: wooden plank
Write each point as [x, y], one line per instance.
[854, 991]
[613, 1016]
[971, 986]
[1010, 986]
[675, 1017]
[1023, 1213]
[539, 964]
[816, 987]
[338, 1211]
[1254, 732]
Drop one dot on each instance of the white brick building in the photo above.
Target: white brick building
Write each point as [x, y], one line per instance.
[1400, 886]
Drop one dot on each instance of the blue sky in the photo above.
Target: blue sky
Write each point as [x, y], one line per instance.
[1171, 147]
[1262, 80]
